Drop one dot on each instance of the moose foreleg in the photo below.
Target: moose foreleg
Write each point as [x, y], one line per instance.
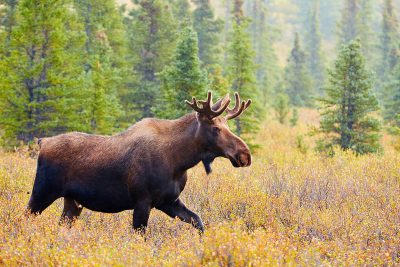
[178, 209]
[141, 214]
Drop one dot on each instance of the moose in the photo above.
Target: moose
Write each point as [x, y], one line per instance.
[142, 168]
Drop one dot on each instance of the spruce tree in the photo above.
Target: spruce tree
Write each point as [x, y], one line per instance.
[349, 23]
[281, 107]
[298, 84]
[314, 47]
[208, 30]
[389, 41]
[181, 11]
[346, 109]
[268, 72]
[7, 19]
[41, 78]
[357, 22]
[102, 107]
[152, 33]
[241, 69]
[218, 83]
[227, 27]
[366, 34]
[392, 99]
[183, 78]
[105, 67]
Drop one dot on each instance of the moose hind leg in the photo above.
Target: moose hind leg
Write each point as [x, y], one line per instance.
[71, 211]
[141, 213]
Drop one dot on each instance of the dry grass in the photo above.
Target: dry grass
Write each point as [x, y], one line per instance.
[289, 208]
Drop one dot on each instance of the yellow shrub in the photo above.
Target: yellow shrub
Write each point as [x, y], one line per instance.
[289, 208]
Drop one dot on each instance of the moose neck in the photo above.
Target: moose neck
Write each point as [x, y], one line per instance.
[189, 149]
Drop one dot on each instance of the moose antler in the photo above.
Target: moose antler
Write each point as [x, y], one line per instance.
[238, 109]
[206, 106]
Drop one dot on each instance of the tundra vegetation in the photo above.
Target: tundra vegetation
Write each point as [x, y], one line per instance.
[289, 208]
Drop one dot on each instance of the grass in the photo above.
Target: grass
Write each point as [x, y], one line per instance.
[292, 207]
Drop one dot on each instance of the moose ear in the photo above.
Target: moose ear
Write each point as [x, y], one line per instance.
[221, 102]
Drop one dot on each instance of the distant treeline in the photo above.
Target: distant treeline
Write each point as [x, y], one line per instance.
[93, 66]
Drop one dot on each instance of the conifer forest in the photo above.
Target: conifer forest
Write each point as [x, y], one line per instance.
[323, 127]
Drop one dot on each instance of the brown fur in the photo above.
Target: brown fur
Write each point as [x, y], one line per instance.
[141, 168]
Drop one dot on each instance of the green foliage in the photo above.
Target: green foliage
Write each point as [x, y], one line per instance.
[89, 65]
[295, 117]
[218, 85]
[183, 78]
[314, 47]
[366, 34]
[389, 41]
[263, 36]
[281, 107]
[7, 20]
[241, 69]
[298, 83]
[208, 30]
[41, 80]
[346, 109]
[349, 24]
[152, 34]
[357, 22]
[392, 99]
[102, 108]
[301, 144]
[103, 63]
[181, 11]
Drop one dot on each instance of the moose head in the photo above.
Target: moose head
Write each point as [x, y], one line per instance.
[213, 131]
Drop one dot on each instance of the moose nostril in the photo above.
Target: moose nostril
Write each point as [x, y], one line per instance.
[244, 159]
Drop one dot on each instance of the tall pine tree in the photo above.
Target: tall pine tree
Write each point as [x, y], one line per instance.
[298, 83]
[183, 78]
[349, 24]
[357, 22]
[41, 77]
[346, 109]
[392, 99]
[152, 32]
[314, 47]
[389, 47]
[208, 30]
[103, 62]
[262, 35]
[241, 69]
[7, 20]
[181, 11]
[218, 83]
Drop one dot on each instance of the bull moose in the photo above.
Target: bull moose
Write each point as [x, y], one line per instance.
[139, 169]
